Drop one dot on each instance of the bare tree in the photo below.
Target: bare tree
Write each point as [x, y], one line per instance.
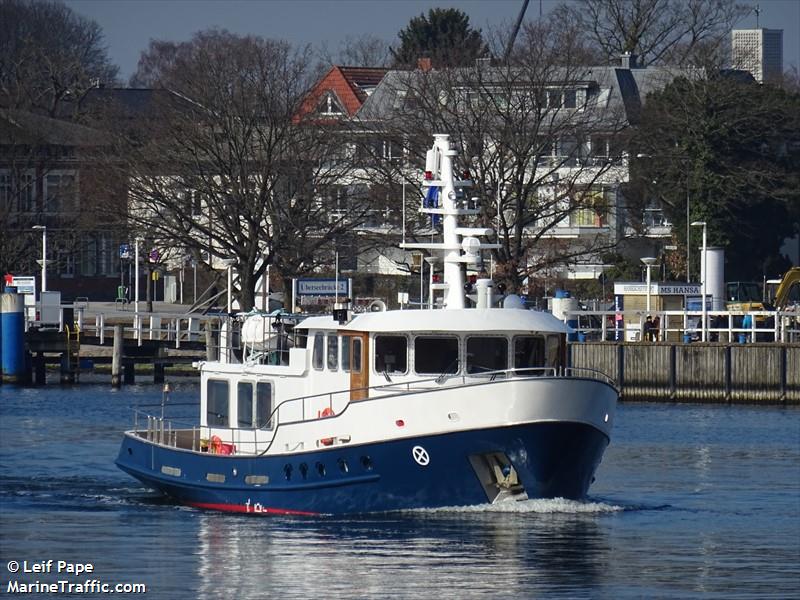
[224, 168]
[540, 144]
[49, 55]
[365, 50]
[676, 32]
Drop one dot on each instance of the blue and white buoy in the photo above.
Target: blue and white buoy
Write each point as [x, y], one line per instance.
[12, 326]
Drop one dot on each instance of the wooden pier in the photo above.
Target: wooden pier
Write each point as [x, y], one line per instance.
[761, 373]
[154, 340]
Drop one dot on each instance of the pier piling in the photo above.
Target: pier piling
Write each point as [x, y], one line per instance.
[116, 358]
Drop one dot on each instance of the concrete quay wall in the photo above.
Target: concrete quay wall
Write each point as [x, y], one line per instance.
[713, 373]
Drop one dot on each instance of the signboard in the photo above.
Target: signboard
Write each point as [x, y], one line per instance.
[322, 287]
[24, 284]
[657, 289]
[125, 251]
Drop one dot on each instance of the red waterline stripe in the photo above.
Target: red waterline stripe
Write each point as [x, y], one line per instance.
[243, 508]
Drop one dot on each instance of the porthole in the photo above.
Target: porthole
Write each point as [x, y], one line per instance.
[287, 472]
[321, 469]
[366, 462]
[303, 470]
[343, 465]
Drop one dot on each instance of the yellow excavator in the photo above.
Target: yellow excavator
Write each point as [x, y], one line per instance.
[743, 295]
[784, 293]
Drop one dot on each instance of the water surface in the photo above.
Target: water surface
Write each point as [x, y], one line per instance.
[690, 501]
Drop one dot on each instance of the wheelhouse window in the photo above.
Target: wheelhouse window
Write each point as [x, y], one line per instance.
[318, 352]
[333, 352]
[436, 355]
[529, 351]
[553, 356]
[487, 354]
[244, 395]
[391, 354]
[217, 403]
[263, 405]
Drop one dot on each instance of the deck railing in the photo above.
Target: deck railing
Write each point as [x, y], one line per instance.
[173, 433]
[686, 326]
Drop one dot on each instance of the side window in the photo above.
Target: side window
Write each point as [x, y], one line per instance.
[356, 362]
[435, 355]
[244, 412]
[553, 357]
[319, 343]
[217, 403]
[333, 352]
[391, 354]
[528, 351]
[345, 354]
[263, 405]
[487, 354]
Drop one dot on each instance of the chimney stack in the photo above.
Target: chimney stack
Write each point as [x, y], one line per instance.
[424, 64]
[630, 61]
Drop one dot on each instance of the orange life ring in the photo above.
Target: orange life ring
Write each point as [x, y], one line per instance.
[328, 412]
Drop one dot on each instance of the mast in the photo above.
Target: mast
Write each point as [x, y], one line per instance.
[459, 244]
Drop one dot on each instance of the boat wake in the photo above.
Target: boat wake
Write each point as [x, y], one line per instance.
[537, 506]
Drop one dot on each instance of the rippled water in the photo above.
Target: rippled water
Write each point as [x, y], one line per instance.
[691, 501]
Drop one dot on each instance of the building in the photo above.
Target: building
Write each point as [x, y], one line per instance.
[758, 51]
[574, 173]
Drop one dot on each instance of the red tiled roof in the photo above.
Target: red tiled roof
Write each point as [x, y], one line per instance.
[348, 84]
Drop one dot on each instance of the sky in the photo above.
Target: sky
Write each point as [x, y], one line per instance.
[129, 25]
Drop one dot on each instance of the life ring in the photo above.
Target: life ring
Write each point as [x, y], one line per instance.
[327, 412]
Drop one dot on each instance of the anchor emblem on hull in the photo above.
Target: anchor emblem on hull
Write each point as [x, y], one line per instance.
[420, 455]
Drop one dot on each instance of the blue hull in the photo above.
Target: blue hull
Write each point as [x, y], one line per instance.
[551, 459]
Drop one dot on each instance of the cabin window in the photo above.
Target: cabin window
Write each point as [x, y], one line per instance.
[436, 355]
[356, 363]
[487, 354]
[263, 405]
[553, 351]
[529, 352]
[391, 352]
[217, 403]
[333, 352]
[346, 354]
[319, 344]
[244, 414]
[300, 338]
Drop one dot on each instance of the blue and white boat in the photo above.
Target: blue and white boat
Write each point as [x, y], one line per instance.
[463, 403]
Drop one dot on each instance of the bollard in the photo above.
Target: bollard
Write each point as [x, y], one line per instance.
[13, 337]
[116, 357]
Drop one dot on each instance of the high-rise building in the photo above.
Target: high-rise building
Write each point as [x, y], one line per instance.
[759, 51]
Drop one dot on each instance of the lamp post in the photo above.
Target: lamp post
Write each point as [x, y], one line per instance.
[648, 261]
[136, 281]
[43, 229]
[703, 277]
[431, 260]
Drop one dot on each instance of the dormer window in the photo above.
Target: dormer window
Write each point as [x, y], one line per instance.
[329, 106]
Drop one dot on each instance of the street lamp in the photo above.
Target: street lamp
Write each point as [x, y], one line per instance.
[43, 229]
[703, 276]
[136, 281]
[431, 260]
[229, 262]
[649, 261]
